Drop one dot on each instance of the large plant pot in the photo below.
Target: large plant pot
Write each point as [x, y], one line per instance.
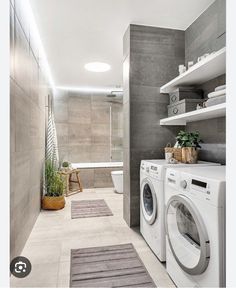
[53, 202]
[189, 155]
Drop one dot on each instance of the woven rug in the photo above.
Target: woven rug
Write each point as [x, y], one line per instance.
[89, 208]
[113, 266]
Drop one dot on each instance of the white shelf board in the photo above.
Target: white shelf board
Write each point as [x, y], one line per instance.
[207, 69]
[197, 115]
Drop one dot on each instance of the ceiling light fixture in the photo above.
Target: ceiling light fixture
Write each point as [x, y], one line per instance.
[97, 67]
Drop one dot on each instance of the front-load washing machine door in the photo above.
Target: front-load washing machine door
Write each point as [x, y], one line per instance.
[148, 201]
[187, 235]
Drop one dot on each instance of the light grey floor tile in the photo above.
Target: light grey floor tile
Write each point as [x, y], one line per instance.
[55, 234]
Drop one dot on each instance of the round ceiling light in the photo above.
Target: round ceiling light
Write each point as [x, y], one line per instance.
[97, 67]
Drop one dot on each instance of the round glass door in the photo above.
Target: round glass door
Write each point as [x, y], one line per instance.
[187, 235]
[148, 201]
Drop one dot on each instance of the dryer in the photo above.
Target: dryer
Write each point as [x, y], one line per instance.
[152, 202]
[195, 226]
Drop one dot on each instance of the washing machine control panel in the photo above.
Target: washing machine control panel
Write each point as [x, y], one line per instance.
[184, 184]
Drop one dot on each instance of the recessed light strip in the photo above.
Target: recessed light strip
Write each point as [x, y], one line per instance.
[89, 89]
[35, 32]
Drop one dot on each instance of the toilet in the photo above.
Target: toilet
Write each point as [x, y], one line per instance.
[117, 178]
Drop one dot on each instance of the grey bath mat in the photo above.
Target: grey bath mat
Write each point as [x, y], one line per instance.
[108, 267]
[89, 208]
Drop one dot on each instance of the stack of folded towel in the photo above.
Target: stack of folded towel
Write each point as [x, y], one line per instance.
[217, 97]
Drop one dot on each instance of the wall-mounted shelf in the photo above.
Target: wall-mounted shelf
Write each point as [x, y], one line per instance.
[207, 69]
[197, 115]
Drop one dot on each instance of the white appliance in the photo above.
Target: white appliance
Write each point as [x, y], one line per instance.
[152, 175]
[195, 226]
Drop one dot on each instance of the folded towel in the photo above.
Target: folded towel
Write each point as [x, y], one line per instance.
[221, 87]
[215, 101]
[217, 94]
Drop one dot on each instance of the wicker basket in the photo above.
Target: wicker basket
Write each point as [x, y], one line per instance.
[189, 155]
[177, 152]
[53, 202]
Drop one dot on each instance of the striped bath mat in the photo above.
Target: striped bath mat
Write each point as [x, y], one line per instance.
[108, 267]
[89, 208]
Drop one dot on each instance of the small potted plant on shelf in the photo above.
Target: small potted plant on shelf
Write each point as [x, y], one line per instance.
[54, 198]
[189, 142]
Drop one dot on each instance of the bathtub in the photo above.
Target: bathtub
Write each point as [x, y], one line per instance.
[97, 175]
[98, 165]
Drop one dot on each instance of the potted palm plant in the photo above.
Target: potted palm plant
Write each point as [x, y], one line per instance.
[190, 144]
[54, 198]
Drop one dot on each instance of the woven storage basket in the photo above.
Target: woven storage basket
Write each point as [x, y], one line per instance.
[53, 202]
[177, 152]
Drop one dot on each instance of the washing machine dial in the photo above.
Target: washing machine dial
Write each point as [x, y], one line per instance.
[184, 184]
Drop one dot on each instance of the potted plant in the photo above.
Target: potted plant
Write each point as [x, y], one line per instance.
[54, 198]
[65, 166]
[189, 142]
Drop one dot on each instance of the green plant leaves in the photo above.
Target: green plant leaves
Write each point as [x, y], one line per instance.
[189, 139]
[54, 182]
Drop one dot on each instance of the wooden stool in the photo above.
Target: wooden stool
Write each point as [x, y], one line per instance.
[67, 174]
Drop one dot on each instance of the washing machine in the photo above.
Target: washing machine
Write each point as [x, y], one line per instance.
[152, 202]
[195, 226]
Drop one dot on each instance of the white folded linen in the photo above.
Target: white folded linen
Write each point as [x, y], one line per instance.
[221, 87]
[215, 101]
[217, 94]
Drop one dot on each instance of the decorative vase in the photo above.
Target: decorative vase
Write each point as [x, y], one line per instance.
[53, 202]
[189, 155]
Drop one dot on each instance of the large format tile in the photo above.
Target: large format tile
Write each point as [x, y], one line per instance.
[21, 58]
[49, 249]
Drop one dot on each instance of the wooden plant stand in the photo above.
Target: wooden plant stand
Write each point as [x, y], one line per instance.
[67, 175]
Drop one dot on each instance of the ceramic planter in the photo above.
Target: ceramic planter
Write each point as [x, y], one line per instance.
[189, 155]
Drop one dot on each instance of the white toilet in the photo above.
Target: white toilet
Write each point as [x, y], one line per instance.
[117, 178]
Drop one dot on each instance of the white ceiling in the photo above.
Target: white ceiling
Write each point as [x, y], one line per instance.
[75, 32]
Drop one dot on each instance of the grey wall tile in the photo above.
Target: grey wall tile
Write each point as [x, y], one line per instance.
[209, 26]
[79, 153]
[27, 115]
[154, 56]
[202, 35]
[62, 134]
[102, 177]
[21, 58]
[79, 110]
[61, 110]
[22, 119]
[79, 135]
[100, 153]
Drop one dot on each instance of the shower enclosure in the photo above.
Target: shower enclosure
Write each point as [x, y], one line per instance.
[89, 129]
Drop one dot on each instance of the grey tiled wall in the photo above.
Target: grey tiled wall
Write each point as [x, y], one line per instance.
[83, 130]
[28, 92]
[205, 35]
[151, 58]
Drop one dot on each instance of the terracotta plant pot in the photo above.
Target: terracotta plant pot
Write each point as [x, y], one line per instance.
[189, 155]
[53, 202]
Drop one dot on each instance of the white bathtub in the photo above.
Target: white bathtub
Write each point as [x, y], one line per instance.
[98, 165]
[95, 175]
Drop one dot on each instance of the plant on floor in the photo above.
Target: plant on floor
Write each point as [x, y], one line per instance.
[54, 182]
[54, 185]
[190, 143]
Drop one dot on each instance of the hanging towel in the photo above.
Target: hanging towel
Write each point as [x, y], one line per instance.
[221, 87]
[51, 144]
[217, 94]
[215, 101]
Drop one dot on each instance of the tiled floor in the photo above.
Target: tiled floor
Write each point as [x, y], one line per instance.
[55, 234]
